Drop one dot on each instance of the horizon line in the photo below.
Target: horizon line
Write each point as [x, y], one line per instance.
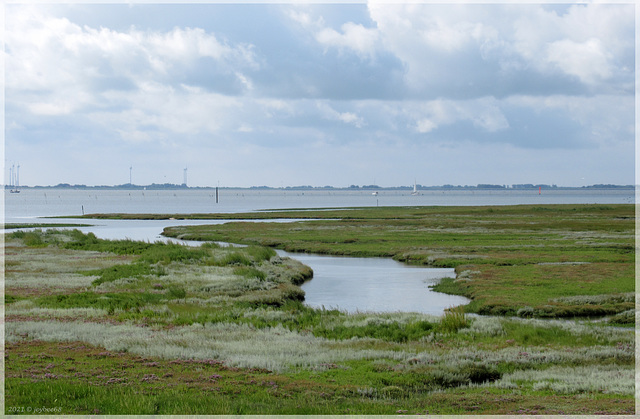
[371, 186]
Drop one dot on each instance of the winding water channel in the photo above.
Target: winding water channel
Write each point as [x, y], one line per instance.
[346, 283]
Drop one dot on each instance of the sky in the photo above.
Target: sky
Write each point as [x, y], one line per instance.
[292, 94]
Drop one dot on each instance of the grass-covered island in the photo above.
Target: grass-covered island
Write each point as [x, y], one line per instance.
[122, 327]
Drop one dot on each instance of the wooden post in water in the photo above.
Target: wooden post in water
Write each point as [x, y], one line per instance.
[216, 194]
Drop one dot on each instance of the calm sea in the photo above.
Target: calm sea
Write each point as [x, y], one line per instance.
[32, 203]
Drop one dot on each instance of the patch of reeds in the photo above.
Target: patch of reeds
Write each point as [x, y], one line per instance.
[108, 301]
[393, 332]
[29, 308]
[609, 379]
[250, 272]
[230, 259]
[260, 253]
[453, 320]
[626, 318]
[626, 297]
[113, 273]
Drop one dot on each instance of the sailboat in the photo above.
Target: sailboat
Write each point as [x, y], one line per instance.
[15, 179]
[415, 189]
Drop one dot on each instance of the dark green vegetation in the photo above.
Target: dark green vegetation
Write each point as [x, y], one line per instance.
[122, 327]
[534, 261]
[43, 225]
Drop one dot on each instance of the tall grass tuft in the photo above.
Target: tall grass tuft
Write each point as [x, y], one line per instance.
[250, 272]
[30, 238]
[116, 272]
[230, 259]
[166, 253]
[453, 320]
[261, 253]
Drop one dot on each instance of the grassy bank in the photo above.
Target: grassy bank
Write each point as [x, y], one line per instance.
[122, 327]
[534, 261]
[10, 226]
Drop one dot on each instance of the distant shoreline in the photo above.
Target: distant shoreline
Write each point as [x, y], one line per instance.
[349, 188]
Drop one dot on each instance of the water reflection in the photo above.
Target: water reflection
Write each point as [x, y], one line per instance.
[374, 284]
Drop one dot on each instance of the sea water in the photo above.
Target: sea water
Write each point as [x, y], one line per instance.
[36, 202]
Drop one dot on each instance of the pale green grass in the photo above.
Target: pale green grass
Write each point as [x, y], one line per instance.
[34, 280]
[597, 299]
[277, 348]
[578, 329]
[53, 268]
[494, 326]
[485, 326]
[611, 379]
[367, 319]
[29, 308]
[530, 357]
[280, 349]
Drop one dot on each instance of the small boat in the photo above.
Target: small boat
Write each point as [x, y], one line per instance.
[15, 179]
[415, 189]
[375, 193]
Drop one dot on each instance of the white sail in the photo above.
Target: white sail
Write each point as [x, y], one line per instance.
[14, 176]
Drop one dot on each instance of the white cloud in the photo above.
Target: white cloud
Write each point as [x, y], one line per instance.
[605, 117]
[329, 113]
[447, 36]
[590, 42]
[443, 46]
[184, 44]
[170, 111]
[70, 66]
[304, 19]
[354, 37]
[350, 118]
[425, 125]
[275, 107]
[588, 60]
[246, 81]
[483, 113]
[59, 106]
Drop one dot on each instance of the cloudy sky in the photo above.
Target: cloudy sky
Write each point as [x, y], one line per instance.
[323, 94]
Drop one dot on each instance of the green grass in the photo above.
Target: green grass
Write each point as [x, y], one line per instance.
[75, 378]
[505, 290]
[519, 257]
[30, 238]
[453, 320]
[10, 226]
[108, 301]
[232, 258]
[213, 330]
[113, 273]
